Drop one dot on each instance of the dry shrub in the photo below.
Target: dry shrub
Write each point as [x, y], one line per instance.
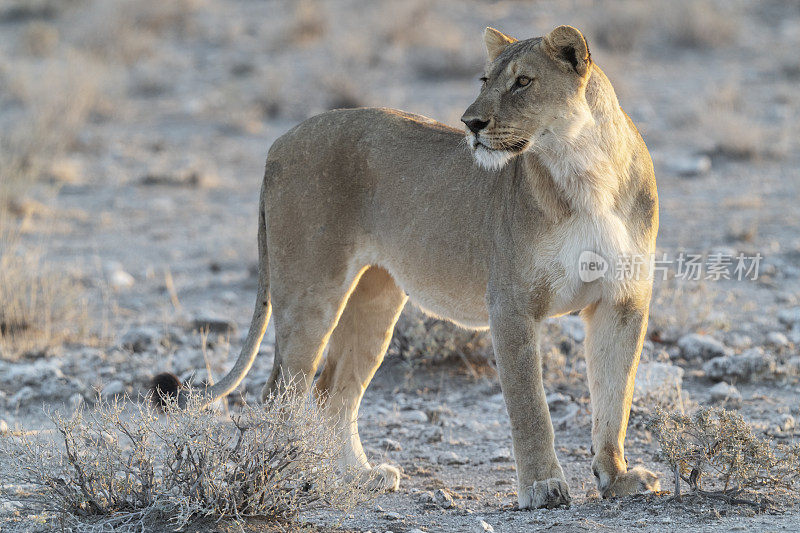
[421, 337]
[720, 445]
[122, 467]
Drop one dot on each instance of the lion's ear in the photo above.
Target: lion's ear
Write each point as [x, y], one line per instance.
[566, 46]
[496, 41]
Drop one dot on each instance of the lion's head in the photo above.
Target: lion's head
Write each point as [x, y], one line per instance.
[531, 89]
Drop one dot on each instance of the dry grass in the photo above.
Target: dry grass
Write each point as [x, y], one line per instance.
[50, 116]
[683, 305]
[124, 32]
[39, 306]
[125, 468]
[699, 24]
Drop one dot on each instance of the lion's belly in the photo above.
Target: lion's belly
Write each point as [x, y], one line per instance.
[454, 292]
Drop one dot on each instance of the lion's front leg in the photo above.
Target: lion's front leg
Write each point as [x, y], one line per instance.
[613, 344]
[515, 335]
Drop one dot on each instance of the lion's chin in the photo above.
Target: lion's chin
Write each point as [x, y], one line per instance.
[491, 159]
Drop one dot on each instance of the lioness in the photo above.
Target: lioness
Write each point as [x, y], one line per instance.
[363, 209]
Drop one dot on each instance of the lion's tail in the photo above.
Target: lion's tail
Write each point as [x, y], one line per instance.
[170, 385]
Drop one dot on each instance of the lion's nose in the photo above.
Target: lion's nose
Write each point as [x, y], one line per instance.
[474, 124]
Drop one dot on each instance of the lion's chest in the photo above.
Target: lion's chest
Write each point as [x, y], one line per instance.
[578, 258]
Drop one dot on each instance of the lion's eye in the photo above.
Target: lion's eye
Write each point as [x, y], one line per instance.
[522, 81]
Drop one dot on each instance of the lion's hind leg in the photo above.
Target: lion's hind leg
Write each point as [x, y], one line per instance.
[355, 351]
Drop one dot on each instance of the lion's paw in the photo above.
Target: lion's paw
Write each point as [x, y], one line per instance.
[383, 477]
[635, 481]
[547, 493]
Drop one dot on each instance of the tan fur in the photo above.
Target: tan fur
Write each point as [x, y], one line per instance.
[361, 209]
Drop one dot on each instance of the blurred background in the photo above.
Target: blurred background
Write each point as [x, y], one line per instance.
[133, 135]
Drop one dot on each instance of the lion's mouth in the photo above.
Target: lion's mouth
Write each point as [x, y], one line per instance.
[514, 146]
[475, 143]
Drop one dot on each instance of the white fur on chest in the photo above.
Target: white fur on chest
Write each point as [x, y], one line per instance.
[605, 235]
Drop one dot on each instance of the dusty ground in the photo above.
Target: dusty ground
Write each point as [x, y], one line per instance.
[160, 117]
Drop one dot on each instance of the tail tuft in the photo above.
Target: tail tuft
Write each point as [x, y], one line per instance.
[164, 385]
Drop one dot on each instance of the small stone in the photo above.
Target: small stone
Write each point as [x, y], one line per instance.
[450, 458]
[501, 455]
[743, 367]
[657, 378]
[219, 326]
[426, 498]
[794, 334]
[415, 415]
[3, 427]
[118, 278]
[724, 392]
[689, 165]
[777, 339]
[391, 445]
[789, 316]
[483, 526]
[564, 416]
[740, 341]
[391, 515]
[113, 388]
[138, 340]
[22, 396]
[433, 435]
[556, 399]
[415, 530]
[443, 499]
[694, 346]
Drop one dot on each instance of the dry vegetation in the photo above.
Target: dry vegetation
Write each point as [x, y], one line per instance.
[40, 307]
[123, 467]
[720, 448]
